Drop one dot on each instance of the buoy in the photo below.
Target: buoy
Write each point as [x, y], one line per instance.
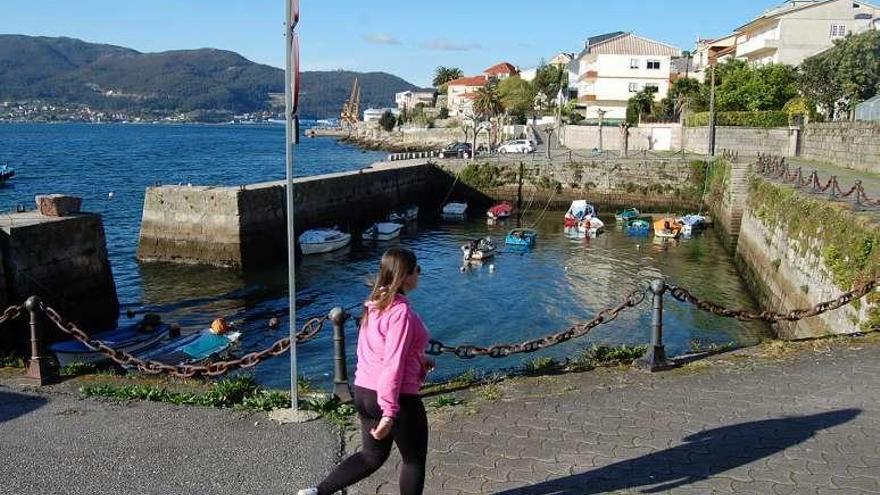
[110, 194]
[273, 322]
[462, 269]
[491, 268]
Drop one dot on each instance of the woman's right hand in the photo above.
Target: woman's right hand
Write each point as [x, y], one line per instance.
[383, 429]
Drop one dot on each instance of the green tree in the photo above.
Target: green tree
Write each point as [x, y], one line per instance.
[517, 95]
[549, 79]
[640, 105]
[443, 75]
[745, 87]
[388, 121]
[487, 104]
[847, 73]
[818, 81]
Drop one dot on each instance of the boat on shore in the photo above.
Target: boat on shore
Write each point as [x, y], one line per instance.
[382, 231]
[406, 214]
[132, 338]
[193, 349]
[323, 240]
[667, 228]
[521, 237]
[478, 250]
[500, 211]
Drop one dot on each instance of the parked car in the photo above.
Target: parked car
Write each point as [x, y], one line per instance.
[517, 146]
[457, 150]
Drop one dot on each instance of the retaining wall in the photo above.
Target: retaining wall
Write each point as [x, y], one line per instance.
[745, 140]
[854, 145]
[62, 260]
[246, 226]
[660, 137]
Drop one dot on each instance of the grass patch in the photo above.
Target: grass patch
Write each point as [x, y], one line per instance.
[11, 361]
[331, 409]
[540, 365]
[697, 345]
[446, 401]
[78, 369]
[605, 355]
[490, 392]
[466, 379]
[229, 392]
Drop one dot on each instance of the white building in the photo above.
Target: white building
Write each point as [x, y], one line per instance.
[613, 67]
[374, 114]
[409, 99]
[799, 29]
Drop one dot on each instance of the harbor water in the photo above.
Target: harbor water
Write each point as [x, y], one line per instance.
[515, 297]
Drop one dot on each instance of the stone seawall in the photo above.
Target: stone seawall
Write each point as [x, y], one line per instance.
[854, 145]
[652, 185]
[246, 226]
[748, 141]
[64, 261]
[795, 251]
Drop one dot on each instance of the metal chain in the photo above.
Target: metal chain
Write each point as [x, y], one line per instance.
[311, 328]
[684, 295]
[468, 351]
[11, 313]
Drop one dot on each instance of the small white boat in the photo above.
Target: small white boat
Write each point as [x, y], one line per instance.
[454, 209]
[316, 241]
[690, 223]
[591, 225]
[407, 214]
[382, 231]
[478, 250]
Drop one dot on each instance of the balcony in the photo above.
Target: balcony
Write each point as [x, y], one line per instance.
[590, 75]
[757, 47]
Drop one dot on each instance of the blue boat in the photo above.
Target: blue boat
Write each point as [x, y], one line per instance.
[638, 227]
[131, 338]
[6, 173]
[522, 237]
[627, 215]
[194, 348]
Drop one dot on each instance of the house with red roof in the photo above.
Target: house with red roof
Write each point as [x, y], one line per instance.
[461, 92]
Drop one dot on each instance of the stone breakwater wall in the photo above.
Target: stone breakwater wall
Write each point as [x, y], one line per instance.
[794, 250]
[854, 145]
[245, 226]
[651, 185]
[61, 259]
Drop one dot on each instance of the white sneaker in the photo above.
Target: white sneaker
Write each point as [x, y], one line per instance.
[308, 491]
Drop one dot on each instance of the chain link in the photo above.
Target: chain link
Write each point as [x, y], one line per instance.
[311, 328]
[468, 351]
[775, 168]
[686, 296]
[11, 313]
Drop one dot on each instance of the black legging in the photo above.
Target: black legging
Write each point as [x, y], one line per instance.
[410, 433]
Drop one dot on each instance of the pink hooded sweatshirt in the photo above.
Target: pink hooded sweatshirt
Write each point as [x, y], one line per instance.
[391, 353]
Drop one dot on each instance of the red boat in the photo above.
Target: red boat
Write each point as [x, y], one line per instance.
[500, 211]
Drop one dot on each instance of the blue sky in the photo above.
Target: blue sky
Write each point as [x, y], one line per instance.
[406, 38]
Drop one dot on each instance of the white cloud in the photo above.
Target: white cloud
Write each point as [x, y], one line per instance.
[449, 46]
[381, 39]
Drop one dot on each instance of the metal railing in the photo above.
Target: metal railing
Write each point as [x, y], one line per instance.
[776, 168]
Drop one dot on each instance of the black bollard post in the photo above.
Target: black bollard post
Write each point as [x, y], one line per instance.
[39, 372]
[341, 389]
[655, 358]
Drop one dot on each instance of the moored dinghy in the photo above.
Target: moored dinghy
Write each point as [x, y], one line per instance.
[578, 211]
[521, 237]
[690, 223]
[6, 173]
[638, 227]
[667, 228]
[627, 215]
[196, 348]
[455, 210]
[323, 240]
[406, 214]
[478, 250]
[382, 231]
[500, 211]
[130, 338]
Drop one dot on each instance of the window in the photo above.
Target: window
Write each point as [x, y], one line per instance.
[654, 64]
[838, 30]
[633, 87]
[633, 63]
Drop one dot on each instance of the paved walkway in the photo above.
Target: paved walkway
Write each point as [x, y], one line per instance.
[805, 425]
[845, 177]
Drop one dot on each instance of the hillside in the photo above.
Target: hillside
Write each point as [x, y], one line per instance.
[107, 77]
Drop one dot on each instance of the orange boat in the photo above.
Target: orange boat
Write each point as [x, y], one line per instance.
[667, 228]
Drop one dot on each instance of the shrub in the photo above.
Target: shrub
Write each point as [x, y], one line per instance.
[388, 121]
[771, 118]
[444, 113]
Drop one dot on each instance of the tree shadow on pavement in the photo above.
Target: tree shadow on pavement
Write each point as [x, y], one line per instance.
[13, 405]
[702, 456]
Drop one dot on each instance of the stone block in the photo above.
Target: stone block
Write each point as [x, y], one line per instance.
[58, 205]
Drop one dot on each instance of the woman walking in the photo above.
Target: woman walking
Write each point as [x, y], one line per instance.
[391, 369]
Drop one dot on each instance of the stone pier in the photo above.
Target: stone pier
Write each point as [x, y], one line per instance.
[61, 259]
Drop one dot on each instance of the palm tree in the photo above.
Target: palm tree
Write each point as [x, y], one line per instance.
[443, 75]
[487, 104]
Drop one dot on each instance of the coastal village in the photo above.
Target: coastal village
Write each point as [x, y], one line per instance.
[637, 267]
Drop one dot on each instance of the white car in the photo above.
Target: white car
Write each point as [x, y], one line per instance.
[518, 146]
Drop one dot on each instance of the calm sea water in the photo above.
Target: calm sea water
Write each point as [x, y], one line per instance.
[562, 281]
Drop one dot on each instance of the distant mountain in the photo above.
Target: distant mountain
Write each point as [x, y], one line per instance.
[107, 77]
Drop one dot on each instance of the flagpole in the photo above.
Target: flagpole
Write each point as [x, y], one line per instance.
[291, 79]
